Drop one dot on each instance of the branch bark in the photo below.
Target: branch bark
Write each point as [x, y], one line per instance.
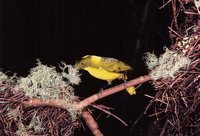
[91, 123]
[84, 103]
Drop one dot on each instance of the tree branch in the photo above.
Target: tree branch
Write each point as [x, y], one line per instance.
[35, 102]
[91, 123]
[84, 103]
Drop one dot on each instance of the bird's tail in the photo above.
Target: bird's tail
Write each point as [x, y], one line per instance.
[131, 90]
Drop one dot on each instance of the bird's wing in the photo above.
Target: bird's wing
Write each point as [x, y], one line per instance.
[114, 65]
[109, 64]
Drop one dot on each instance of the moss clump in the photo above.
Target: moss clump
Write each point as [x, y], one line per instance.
[45, 82]
[21, 130]
[13, 114]
[151, 60]
[167, 65]
[72, 75]
[35, 124]
[3, 77]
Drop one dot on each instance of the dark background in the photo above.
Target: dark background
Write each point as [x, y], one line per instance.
[66, 30]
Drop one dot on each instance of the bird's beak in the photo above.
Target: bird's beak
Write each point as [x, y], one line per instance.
[78, 65]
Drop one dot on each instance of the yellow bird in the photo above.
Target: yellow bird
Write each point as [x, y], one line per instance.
[105, 68]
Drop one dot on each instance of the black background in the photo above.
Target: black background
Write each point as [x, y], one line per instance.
[66, 30]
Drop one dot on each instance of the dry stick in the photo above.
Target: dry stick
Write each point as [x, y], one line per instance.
[109, 113]
[84, 103]
[36, 102]
[174, 32]
[164, 128]
[91, 123]
[165, 4]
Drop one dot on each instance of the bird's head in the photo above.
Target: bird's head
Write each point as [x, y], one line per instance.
[83, 62]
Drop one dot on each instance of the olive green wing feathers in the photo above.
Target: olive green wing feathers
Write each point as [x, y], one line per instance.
[109, 64]
[114, 65]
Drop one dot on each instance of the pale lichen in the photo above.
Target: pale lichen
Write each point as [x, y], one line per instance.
[21, 130]
[45, 82]
[3, 77]
[35, 124]
[9, 80]
[151, 60]
[72, 76]
[13, 114]
[167, 65]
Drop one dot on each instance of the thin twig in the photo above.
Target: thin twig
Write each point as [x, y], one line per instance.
[109, 113]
